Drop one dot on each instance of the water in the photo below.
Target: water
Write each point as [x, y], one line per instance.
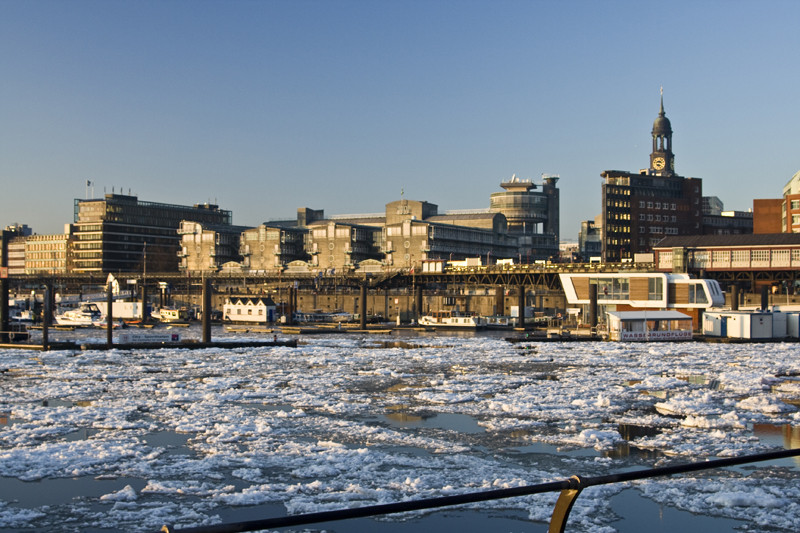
[131, 440]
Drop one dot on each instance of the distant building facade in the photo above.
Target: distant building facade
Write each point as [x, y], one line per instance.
[336, 245]
[768, 216]
[533, 217]
[207, 247]
[590, 239]
[119, 232]
[779, 215]
[270, 247]
[728, 223]
[639, 209]
[48, 254]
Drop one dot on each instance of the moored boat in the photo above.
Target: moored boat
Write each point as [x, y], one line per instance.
[85, 315]
[451, 319]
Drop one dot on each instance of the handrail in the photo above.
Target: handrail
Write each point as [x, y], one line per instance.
[570, 490]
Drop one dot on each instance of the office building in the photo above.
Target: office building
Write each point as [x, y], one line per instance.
[639, 209]
[272, 246]
[119, 233]
[49, 254]
[207, 247]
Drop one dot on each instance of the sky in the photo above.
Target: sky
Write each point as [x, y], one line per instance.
[263, 107]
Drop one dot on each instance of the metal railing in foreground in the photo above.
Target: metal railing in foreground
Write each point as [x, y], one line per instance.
[569, 489]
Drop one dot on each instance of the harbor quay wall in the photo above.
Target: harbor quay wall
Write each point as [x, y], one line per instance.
[387, 304]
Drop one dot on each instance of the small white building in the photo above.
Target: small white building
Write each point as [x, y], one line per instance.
[747, 324]
[256, 309]
[649, 326]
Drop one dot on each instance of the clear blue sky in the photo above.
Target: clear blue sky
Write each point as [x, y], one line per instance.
[267, 106]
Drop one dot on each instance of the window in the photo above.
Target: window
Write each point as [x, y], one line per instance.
[760, 255]
[655, 289]
[696, 294]
[795, 204]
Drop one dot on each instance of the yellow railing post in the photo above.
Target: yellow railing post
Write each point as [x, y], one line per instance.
[564, 504]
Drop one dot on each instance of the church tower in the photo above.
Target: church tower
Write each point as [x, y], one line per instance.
[662, 160]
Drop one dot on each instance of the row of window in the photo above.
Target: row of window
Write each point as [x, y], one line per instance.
[658, 205]
[649, 217]
[709, 258]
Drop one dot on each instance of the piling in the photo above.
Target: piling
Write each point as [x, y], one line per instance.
[4, 322]
[735, 297]
[593, 305]
[363, 306]
[764, 298]
[46, 314]
[499, 300]
[109, 314]
[417, 303]
[206, 310]
[521, 304]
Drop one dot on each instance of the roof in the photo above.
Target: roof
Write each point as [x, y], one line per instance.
[708, 241]
[649, 315]
[255, 300]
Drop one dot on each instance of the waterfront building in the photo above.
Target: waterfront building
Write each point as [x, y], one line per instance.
[206, 247]
[630, 291]
[48, 254]
[590, 239]
[790, 207]
[728, 223]
[533, 216]
[728, 252]
[249, 309]
[337, 245]
[14, 248]
[781, 215]
[413, 231]
[639, 209]
[272, 246]
[767, 215]
[15, 252]
[118, 233]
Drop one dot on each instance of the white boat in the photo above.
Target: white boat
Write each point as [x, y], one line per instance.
[497, 322]
[172, 315]
[20, 316]
[85, 315]
[451, 319]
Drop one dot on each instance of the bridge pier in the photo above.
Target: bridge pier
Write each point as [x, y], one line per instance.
[363, 305]
[4, 321]
[499, 300]
[418, 311]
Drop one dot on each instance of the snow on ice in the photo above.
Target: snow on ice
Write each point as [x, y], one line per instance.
[187, 437]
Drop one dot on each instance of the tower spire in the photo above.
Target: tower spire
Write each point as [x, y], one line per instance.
[661, 112]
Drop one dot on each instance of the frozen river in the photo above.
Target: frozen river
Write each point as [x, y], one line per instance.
[130, 440]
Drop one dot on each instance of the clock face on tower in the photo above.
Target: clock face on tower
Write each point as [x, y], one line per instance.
[659, 163]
